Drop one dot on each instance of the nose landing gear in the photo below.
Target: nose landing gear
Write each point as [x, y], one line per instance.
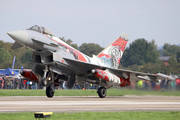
[50, 91]
[48, 81]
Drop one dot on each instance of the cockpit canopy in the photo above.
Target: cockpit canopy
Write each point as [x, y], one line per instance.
[41, 29]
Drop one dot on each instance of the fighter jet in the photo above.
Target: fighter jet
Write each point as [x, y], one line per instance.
[10, 72]
[57, 61]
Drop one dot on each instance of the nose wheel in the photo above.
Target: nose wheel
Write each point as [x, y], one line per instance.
[49, 92]
[102, 92]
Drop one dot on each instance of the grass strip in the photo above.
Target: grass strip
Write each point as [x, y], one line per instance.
[97, 116]
[90, 92]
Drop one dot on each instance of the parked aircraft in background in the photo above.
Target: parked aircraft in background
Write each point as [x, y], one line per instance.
[9, 72]
[55, 60]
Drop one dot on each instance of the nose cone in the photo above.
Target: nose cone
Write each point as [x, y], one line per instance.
[20, 36]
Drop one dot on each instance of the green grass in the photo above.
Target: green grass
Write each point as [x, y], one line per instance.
[72, 92]
[124, 91]
[97, 116]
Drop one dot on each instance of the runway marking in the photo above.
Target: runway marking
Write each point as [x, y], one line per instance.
[84, 110]
[62, 103]
[83, 104]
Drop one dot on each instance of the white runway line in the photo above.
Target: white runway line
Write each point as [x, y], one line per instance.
[67, 103]
[84, 110]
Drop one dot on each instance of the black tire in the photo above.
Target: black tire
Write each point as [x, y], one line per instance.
[49, 92]
[102, 92]
[44, 82]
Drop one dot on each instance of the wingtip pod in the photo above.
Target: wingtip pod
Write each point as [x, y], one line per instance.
[165, 76]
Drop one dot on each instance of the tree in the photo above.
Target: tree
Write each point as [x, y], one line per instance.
[174, 66]
[178, 56]
[69, 42]
[7, 64]
[5, 56]
[152, 67]
[140, 52]
[169, 50]
[90, 49]
[26, 56]
[27, 65]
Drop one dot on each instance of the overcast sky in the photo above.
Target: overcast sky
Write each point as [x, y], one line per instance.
[95, 21]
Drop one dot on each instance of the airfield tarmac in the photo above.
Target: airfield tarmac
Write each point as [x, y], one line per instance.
[92, 104]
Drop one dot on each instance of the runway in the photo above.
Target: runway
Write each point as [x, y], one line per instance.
[92, 104]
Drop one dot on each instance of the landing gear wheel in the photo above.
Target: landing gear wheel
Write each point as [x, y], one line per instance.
[44, 82]
[49, 92]
[102, 92]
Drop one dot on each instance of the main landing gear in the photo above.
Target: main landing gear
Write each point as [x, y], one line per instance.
[102, 92]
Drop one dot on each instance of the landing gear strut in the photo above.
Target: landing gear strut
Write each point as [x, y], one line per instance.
[102, 92]
[49, 85]
[44, 79]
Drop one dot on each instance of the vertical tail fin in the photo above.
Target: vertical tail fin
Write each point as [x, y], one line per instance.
[22, 67]
[13, 63]
[111, 55]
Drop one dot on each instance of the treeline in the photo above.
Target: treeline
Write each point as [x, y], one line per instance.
[141, 55]
[23, 56]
